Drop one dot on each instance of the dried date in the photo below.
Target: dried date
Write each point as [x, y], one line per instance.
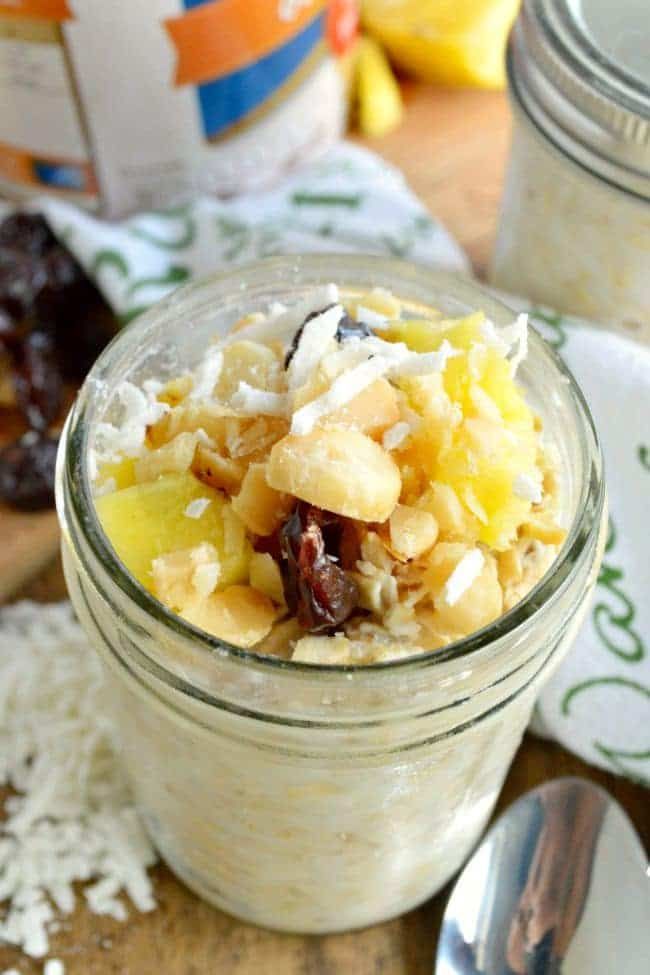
[27, 473]
[37, 380]
[318, 590]
[350, 328]
[26, 232]
[53, 324]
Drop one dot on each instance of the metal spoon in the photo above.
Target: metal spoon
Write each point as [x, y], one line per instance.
[559, 886]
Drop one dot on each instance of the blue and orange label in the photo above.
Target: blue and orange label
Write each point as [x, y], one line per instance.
[241, 54]
[22, 166]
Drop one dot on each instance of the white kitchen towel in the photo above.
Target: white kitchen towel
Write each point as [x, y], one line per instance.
[598, 704]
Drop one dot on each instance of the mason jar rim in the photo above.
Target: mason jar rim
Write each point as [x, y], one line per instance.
[73, 480]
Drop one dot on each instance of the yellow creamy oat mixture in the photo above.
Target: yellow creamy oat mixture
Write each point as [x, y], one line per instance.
[335, 482]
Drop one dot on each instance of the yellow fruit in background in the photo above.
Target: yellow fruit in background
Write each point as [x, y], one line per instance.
[452, 42]
[147, 520]
[379, 102]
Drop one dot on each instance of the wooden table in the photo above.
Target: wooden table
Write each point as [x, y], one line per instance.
[452, 147]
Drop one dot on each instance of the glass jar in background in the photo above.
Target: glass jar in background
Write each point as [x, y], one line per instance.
[574, 230]
[318, 798]
[126, 106]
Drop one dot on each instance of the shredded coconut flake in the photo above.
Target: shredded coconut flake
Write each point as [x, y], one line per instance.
[396, 435]
[463, 576]
[406, 362]
[137, 409]
[196, 508]
[315, 339]
[528, 487]
[423, 363]
[343, 389]
[519, 332]
[205, 578]
[282, 323]
[372, 318]
[54, 967]
[72, 819]
[252, 402]
[206, 374]
[505, 339]
[384, 358]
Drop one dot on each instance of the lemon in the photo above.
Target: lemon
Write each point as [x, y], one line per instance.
[453, 42]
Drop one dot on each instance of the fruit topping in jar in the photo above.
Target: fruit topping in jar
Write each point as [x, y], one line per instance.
[335, 482]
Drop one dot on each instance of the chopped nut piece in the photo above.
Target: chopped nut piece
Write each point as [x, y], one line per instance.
[251, 363]
[479, 604]
[372, 411]
[254, 440]
[544, 531]
[282, 638]
[218, 471]
[412, 532]
[510, 566]
[442, 502]
[175, 391]
[265, 575]
[175, 575]
[260, 506]
[339, 470]
[188, 417]
[238, 614]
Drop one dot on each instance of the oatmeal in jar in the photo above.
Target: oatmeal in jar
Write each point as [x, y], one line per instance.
[320, 592]
[336, 482]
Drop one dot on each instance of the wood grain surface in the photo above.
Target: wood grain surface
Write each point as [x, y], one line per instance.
[452, 147]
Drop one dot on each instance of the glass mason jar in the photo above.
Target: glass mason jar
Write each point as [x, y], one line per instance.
[318, 798]
[574, 230]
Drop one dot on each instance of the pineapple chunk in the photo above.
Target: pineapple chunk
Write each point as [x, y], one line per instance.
[120, 473]
[491, 370]
[238, 614]
[148, 520]
[477, 432]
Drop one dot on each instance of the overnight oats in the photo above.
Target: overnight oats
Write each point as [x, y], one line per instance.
[330, 540]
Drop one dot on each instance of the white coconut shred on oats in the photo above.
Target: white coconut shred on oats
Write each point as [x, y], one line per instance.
[376, 479]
